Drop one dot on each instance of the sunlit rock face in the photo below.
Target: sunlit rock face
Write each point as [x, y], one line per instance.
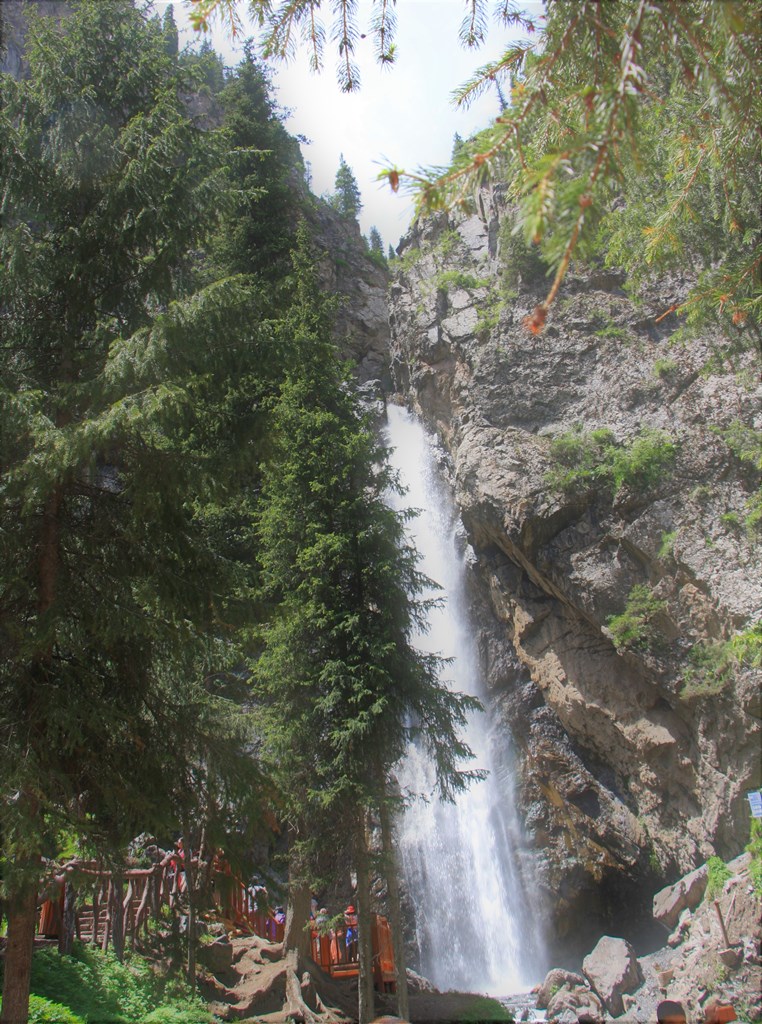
[630, 774]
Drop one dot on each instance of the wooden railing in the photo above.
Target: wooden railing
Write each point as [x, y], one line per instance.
[112, 907]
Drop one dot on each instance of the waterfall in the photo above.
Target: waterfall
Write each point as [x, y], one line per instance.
[476, 929]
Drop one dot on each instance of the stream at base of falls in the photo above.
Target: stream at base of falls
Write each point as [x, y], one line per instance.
[465, 866]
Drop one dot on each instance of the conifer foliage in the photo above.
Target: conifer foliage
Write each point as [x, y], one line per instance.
[346, 199]
[114, 444]
[629, 127]
[341, 688]
[632, 129]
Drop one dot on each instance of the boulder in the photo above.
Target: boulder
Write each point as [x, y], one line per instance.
[580, 999]
[218, 956]
[554, 981]
[669, 903]
[612, 969]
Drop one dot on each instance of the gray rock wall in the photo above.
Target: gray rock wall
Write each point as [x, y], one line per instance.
[629, 775]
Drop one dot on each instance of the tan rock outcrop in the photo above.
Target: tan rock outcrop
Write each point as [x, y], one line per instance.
[634, 758]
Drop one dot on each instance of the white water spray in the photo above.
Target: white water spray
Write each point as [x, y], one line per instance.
[476, 928]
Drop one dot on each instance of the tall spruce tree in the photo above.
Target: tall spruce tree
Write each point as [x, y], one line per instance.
[123, 422]
[346, 199]
[341, 686]
[264, 165]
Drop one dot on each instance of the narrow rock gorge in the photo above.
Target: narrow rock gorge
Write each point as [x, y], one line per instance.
[607, 596]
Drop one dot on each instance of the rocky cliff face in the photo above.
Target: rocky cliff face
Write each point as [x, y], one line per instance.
[345, 269]
[636, 745]
[14, 24]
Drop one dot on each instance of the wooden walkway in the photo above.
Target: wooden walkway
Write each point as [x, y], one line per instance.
[109, 908]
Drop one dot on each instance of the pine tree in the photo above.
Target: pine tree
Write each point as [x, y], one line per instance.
[169, 28]
[346, 198]
[342, 689]
[257, 236]
[375, 242]
[122, 423]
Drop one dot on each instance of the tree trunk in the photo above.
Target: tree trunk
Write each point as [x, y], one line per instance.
[395, 911]
[297, 934]
[295, 1007]
[366, 1011]
[190, 887]
[21, 912]
[69, 920]
[117, 918]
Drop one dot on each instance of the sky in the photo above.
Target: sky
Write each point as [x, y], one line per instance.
[402, 115]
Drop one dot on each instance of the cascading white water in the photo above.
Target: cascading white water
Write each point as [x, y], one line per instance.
[476, 927]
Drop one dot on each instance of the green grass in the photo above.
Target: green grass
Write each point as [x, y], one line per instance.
[717, 875]
[91, 987]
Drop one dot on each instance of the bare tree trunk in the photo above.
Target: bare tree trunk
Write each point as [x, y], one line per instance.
[21, 913]
[366, 1010]
[395, 911]
[297, 934]
[109, 917]
[190, 886]
[295, 1006]
[117, 917]
[69, 920]
[21, 906]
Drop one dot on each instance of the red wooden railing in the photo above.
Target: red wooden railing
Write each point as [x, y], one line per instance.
[148, 889]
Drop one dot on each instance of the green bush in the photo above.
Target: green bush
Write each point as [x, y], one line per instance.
[713, 665]
[634, 627]
[717, 875]
[97, 989]
[664, 367]
[579, 456]
[45, 1011]
[519, 260]
[642, 461]
[746, 445]
[585, 457]
[460, 279]
[667, 545]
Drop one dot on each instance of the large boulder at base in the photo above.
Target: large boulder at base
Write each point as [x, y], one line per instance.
[575, 1000]
[555, 980]
[612, 969]
[669, 903]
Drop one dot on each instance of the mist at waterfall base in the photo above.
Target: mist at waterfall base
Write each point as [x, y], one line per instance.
[462, 863]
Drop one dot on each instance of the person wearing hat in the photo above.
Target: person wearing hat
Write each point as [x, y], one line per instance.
[350, 939]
